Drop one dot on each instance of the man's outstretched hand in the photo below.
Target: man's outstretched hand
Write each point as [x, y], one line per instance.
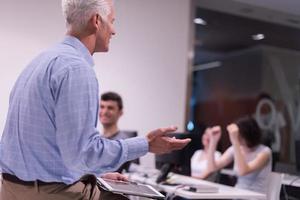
[160, 143]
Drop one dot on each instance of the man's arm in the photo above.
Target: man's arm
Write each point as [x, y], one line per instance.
[81, 147]
[79, 142]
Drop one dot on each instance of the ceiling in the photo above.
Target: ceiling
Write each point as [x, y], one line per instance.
[230, 26]
[285, 12]
[286, 6]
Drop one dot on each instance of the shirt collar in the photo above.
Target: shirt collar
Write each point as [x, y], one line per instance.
[78, 45]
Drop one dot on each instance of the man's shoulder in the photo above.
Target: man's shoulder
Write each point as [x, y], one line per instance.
[63, 59]
[67, 54]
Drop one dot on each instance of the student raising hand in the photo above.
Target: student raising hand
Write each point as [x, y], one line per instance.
[233, 131]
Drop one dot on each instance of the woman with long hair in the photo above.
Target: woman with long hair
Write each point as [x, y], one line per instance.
[252, 160]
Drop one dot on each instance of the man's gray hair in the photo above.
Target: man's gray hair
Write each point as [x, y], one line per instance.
[78, 12]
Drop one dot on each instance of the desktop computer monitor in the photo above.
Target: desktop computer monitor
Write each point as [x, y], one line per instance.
[297, 154]
[178, 161]
[290, 167]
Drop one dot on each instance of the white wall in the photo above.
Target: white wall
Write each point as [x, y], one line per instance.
[147, 62]
[26, 27]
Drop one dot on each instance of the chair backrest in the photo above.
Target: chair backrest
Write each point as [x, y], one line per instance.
[274, 186]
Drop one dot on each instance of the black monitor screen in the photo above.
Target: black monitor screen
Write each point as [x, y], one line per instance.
[297, 154]
[180, 160]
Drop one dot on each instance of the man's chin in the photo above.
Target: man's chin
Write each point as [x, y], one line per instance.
[102, 49]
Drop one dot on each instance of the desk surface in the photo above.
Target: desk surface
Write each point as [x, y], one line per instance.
[291, 180]
[225, 192]
[288, 179]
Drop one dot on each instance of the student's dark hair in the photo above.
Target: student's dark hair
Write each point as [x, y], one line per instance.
[264, 95]
[249, 131]
[112, 96]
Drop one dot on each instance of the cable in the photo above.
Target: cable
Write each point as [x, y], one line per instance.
[172, 195]
[286, 196]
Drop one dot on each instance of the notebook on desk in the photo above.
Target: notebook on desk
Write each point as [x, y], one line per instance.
[130, 188]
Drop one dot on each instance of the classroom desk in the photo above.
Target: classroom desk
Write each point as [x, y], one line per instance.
[225, 192]
[288, 179]
[291, 180]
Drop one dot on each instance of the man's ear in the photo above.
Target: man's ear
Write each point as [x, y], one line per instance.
[94, 23]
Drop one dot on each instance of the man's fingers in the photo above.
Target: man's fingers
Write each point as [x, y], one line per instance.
[122, 177]
[170, 129]
[178, 143]
[162, 131]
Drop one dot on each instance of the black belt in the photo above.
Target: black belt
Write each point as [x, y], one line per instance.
[14, 179]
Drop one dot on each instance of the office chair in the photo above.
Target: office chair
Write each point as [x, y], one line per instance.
[274, 186]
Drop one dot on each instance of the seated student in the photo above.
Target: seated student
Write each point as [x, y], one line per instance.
[252, 160]
[111, 109]
[199, 158]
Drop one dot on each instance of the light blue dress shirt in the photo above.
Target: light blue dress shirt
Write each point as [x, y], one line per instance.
[50, 132]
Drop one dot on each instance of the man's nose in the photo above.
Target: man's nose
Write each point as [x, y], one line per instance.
[113, 31]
